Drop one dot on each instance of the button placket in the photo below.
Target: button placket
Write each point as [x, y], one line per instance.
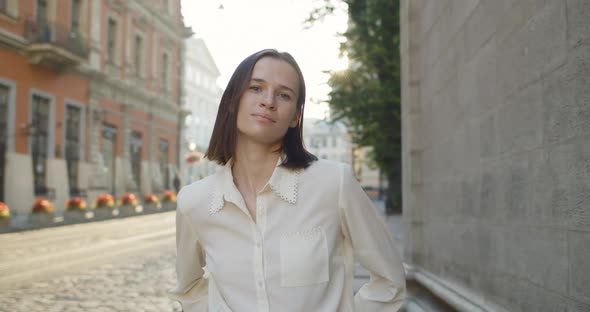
[259, 270]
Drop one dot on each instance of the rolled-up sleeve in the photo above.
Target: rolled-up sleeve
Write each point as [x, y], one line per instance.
[373, 247]
[191, 286]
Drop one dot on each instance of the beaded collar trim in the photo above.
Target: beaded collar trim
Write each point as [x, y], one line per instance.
[283, 182]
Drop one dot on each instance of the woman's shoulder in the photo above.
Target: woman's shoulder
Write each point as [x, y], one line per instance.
[196, 194]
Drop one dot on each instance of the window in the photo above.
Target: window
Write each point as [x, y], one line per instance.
[334, 141]
[138, 55]
[72, 146]
[42, 12]
[111, 39]
[165, 72]
[164, 163]
[109, 139]
[9, 8]
[135, 157]
[39, 142]
[75, 22]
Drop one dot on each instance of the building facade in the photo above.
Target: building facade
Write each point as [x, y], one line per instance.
[366, 171]
[496, 152]
[327, 140]
[90, 98]
[332, 141]
[202, 102]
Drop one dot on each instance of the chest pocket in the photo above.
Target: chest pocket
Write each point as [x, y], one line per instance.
[304, 258]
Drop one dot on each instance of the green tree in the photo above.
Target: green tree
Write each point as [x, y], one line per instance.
[366, 96]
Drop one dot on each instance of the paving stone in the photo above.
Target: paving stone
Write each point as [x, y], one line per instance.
[137, 284]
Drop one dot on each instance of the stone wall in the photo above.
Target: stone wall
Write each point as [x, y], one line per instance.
[496, 150]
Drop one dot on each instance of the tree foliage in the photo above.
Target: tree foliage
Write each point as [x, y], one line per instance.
[366, 96]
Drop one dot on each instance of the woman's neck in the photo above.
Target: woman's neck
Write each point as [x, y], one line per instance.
[253, 165]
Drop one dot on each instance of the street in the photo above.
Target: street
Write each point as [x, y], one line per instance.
[116, 265]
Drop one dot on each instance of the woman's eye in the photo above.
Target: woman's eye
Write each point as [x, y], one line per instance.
[285, 96]
[254, 88]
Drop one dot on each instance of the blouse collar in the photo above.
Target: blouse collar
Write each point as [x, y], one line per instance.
[283, 182]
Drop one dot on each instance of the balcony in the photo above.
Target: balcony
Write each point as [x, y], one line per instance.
[54, 45]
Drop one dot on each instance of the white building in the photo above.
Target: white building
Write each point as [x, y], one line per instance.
[202, 96]
[327, 140]
[331, 141]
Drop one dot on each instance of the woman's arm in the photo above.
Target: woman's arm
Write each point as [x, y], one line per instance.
[191, 286]
[374, 248]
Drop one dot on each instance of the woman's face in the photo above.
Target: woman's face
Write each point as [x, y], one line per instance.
[268, 106]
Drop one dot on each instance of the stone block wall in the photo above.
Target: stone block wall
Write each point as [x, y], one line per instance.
[496, 149]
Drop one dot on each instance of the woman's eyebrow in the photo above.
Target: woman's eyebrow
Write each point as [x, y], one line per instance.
[260, 80]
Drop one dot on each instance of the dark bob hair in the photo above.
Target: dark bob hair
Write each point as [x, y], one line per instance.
[225, 132]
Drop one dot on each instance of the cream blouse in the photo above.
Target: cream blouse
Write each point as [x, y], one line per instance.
[298, 256]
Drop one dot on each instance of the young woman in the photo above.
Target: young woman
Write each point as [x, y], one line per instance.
[276, 228]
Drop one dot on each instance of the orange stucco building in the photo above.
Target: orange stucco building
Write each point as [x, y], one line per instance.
[90, 98]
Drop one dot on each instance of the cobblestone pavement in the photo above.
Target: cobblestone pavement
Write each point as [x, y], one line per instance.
[131, 282]
[136, 283]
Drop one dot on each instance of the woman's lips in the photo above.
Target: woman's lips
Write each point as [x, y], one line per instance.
[264, 118]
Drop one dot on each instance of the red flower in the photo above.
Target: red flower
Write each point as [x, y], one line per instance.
[128, 199]
[42, 205]
[104, 200]
[150, 199]
[4, 211]
[76, 203]
[169, 196]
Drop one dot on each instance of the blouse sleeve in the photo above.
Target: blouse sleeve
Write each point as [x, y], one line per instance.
[191, 286]
[373, 247]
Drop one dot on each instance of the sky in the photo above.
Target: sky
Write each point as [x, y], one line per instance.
[243, 27]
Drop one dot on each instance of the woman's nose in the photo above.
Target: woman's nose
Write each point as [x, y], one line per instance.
[268, 100]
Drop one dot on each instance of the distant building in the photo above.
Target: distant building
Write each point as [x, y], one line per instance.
[327, 140]
[89, 98]
[365, 170]
[331, 141]
[202, 96]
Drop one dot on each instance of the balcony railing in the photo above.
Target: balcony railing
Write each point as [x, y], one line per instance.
[46, 37]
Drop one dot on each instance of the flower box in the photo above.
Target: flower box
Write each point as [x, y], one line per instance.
[77, 216]
[104, 201]
[105, 213]
[75, 203]
[128, 199]
[42, 206]
[4, 218]
[128, 205]
[168, 197]
[76, 211]
[104, 207]
[169, 200]
[151, 203]
[129, 210]
[41, 219]
[4, 211]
